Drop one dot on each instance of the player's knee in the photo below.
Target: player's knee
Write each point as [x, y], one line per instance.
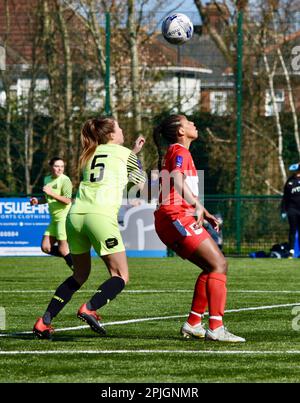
[63, 250]
[223, 267]
[220, 266]
[125, 278]
[119, 270]
[46, 249]
[116, 272]
[81, 278]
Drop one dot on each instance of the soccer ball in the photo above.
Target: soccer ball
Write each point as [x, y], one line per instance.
[177, 28]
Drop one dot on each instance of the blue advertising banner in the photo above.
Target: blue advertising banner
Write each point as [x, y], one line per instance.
[22, 227]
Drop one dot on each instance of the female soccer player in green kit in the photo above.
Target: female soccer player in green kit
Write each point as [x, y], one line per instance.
[58, 194]
[107, 167]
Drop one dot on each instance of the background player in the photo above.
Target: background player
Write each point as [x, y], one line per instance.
[107, 166]
[290, 206]
[178, 222]
[58, 195]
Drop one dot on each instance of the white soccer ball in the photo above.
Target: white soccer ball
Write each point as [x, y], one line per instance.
[177, 28]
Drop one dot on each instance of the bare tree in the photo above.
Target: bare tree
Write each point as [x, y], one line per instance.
[264, 64]
[91, 14]
[135, 67]
[67, 85]
[6, 80]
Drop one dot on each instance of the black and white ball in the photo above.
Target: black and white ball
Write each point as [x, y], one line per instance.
[177, 28]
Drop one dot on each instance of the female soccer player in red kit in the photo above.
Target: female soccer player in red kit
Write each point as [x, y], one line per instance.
[178, 222]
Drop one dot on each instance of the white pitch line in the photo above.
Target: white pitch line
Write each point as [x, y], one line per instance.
[93, 291]
[154, 291]
[201, 352]
[129, 321]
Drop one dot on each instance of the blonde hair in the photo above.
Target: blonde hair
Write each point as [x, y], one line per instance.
[94, 132]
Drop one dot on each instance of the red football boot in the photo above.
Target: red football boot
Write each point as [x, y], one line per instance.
[91, 318]
[42, 331]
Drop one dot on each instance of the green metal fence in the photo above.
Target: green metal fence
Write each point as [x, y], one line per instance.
[261, 225]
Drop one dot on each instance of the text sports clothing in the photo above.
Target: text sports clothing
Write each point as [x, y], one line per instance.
[174, 219]
[62, 186]
[93, 218]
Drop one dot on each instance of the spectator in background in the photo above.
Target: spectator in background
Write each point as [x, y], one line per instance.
[290, 205]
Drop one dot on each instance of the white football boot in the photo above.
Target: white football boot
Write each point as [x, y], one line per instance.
[189, 331]
[222, 334]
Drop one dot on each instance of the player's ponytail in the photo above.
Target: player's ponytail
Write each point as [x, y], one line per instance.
[94, 132]
[165, 134]
[157, 141]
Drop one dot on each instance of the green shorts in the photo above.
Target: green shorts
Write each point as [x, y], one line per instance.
[57, 229]
[100, 231]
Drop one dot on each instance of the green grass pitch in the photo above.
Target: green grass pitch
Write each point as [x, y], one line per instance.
[143, 343]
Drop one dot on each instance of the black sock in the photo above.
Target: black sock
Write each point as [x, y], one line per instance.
[106, 292]
[62, 296]
[54, 251]
[68, 259]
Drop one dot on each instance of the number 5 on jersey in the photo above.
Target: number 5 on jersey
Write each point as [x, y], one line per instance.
[100, 165]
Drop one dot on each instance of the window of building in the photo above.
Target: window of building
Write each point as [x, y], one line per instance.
[218, 103]
[279, 99]
[297, 20]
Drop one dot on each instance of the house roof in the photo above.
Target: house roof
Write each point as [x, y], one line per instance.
[203, 50]
[295, 6]
[293, 39]
[167, 55]
[24, 26]
[23, 31]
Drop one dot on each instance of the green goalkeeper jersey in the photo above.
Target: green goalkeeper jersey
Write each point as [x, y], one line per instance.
[62, 186]
[104, 178]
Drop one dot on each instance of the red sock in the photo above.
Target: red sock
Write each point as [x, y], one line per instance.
[199, 302]
[216, 295]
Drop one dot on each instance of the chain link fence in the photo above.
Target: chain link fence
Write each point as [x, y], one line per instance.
[261, 225]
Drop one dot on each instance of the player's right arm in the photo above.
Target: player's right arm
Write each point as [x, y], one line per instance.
[138, 144]
[183, 189]
[134, 168]
[35, 200]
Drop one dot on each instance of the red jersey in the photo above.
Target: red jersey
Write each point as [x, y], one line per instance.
[171, 203]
